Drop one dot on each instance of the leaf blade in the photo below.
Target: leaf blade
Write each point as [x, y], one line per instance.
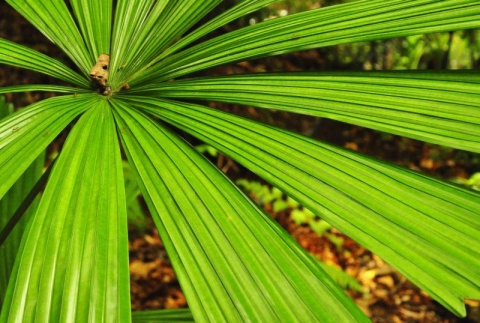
[379, 205]
[137, 25]
[26, 133]
[173, 315]
[24, 57]
[54, 20]
[8, 205]
[41, 87]
[224, 236]
[95, 22]
[441, 108]
[241, 9]
[347, 23]
[83, 206]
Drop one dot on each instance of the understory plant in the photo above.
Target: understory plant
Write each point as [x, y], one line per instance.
[234, 263]
[262, 194]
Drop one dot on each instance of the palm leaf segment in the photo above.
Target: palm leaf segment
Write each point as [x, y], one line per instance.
[232, 260]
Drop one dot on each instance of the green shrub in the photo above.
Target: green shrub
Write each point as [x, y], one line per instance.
[233, 262]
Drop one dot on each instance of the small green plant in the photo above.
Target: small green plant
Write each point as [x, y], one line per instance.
[207, 149]
[473, 181]
[136, 78]
[6, 108]
[264, 194]
[343, 279]
[135, 214]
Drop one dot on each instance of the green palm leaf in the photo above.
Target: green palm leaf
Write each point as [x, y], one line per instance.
[442, 108]
[426, 228]
[233, 261]
[352, 22]
[95, 21]
[157, 316]
[9, 205]
[24, 57]
[41, 87]
[138, 24]
[238, 11]
[54, 20]
[74, 256]
[26, 133]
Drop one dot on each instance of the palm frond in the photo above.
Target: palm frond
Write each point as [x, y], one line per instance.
[54, 20]
[241, 9]
[167, 316]
[42, 87]
[424, 227]
[138, 26]
[95, 21]
[74, 254]
[8, 205]
[352, 22]
[437, 107]
[24, 57]
[26, 133]
[232, 260]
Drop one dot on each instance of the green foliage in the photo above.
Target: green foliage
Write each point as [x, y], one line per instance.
[456, 50]
[168, 316]
[207, 149]
[472, 182]
[262, 194]
[342, 278]
[135, 213]
[13, 201]
[6, 108]
[234, 262]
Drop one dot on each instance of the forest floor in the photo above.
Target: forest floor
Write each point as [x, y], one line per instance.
[387, 296]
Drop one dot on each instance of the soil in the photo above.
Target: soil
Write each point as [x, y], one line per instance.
[387, 296]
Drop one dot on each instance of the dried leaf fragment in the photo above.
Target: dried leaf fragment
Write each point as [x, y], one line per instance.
[99, 72]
